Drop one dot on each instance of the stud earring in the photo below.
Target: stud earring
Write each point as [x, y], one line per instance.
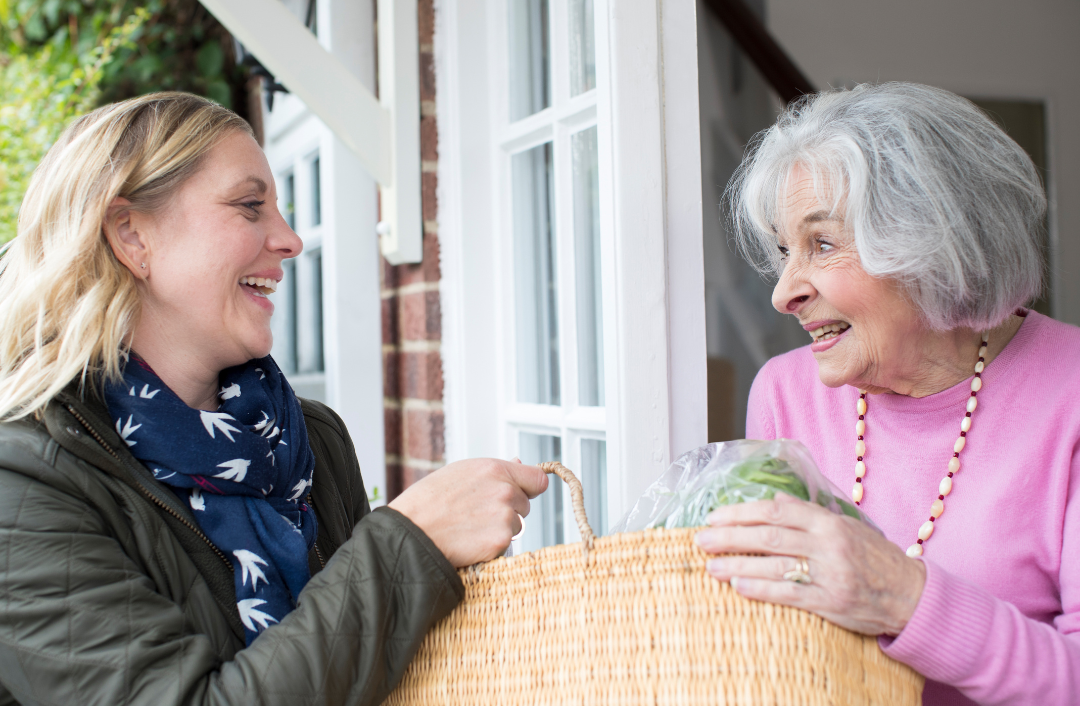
[143, 265]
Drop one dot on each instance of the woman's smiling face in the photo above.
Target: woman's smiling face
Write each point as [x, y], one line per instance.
[213, 254]
[864, 329]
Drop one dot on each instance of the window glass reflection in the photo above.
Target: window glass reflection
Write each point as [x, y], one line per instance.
[530, 63]
[582, 47]
[589, 302]
[536, 295]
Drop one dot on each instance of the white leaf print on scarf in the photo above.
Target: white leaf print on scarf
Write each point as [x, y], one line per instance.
[216, 420]
[236, 469]
[250, 616]
[249, 566]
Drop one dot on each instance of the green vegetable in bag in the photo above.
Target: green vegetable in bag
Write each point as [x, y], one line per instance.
[728, 473]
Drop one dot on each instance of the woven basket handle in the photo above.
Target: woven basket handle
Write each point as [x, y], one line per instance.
[577, 498]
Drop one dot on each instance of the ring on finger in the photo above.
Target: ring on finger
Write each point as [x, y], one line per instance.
[801, 572]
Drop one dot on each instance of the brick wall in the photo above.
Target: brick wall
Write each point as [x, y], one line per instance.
[411, 317]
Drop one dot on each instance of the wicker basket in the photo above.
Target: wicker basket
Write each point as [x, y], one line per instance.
[634, 619]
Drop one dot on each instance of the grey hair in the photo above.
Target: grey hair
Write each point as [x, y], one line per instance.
[937, 196]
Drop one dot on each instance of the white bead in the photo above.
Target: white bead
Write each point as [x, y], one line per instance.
[976, 384]
[954, 465]
[856, 493]
[926, 530]
[966, 424]
[860, 448]
[945, 486]
[914, 550]
[959, 445]
[972, 404]
[861, 406]
[936, 508]
[860, 469]
[980, 366]
[860, 428]
[982, 350]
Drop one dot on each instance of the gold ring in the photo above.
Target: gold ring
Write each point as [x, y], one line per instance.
[801, 572]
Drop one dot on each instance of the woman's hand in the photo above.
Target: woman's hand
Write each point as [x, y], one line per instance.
[470, 509]
[859, 580]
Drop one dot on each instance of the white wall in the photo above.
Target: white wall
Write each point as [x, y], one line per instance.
[978, 48]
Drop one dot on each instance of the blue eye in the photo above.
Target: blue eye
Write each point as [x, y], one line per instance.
[253, 205]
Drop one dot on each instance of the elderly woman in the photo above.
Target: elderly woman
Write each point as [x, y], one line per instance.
[905, 230]
[176, 526]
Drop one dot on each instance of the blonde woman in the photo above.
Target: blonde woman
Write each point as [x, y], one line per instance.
[176, 526]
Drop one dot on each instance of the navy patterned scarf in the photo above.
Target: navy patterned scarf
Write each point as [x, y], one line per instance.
[244, 469]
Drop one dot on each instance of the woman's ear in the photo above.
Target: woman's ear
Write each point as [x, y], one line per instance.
[130, 246]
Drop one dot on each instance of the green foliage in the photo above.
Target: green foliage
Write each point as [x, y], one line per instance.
[62, 58]
[41, 91]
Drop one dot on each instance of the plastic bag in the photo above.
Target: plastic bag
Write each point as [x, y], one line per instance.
[732, 472]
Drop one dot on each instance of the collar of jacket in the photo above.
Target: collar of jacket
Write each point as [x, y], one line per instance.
[79, 422]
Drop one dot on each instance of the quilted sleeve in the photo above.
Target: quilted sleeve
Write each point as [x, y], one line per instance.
[81, 623]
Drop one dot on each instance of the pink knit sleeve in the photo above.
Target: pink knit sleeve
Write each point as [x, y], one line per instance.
[760, 423]
[963, 636]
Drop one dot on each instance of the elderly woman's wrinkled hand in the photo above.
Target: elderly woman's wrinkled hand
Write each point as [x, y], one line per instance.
[857, 578]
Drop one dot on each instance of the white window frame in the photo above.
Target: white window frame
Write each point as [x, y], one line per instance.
[556, 124]
[352, 377]
[651, 241]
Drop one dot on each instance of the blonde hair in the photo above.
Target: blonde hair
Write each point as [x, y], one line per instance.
[67, 304]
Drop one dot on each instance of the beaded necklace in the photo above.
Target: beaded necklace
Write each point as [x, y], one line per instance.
[945, 487]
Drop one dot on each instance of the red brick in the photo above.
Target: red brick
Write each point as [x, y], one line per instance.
[421, 375]
[392, 375]
[421, 316]
[394, 480]
[429, 184]
[429, 139]
[426, 19]
[427, 270]
[388, 275]
[392, 425]
[424, 434]
[427, 76]
[390, 320]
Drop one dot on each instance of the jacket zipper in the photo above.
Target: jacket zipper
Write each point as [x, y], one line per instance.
[150, 495]
[322, 562]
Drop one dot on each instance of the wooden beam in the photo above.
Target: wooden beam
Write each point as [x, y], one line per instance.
[762, 49]
[294, 56]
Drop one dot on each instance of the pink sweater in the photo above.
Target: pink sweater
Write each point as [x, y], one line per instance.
[999, 619]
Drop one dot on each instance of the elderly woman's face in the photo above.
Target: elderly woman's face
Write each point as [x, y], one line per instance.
[859, 324]
[215, 254]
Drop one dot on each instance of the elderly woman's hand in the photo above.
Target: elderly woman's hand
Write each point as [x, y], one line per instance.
[859, 580]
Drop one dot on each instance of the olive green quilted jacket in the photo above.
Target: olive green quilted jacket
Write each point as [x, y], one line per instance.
[110, 594]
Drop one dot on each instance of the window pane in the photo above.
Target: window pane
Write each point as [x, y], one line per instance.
[530, 90]
[316, 193]
[544, 525]
[534, 273]
[317, 305]
[582, 47]
[285, 338]
[590, 319]
[290, 201]
[310, 311]
[594, 483]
